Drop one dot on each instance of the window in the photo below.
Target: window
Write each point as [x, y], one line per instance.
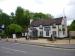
[60, 30]
[63, 30]
[54, 33]
[63, 26]
[41, 33]
[41, 27]
[47, 33]
[54, 26]
[47, 28]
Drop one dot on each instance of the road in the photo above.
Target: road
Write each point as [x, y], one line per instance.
[16, 49]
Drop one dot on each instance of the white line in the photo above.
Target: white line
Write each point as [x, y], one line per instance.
[14, 50]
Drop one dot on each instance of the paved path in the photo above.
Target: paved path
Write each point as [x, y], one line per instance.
[16, 49]
[58, 41]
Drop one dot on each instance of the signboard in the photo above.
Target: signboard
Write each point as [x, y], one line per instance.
[72, 33]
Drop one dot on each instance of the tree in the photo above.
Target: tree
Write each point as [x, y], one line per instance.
[14, 28]
[72, 26]
[22, 17]
[12, 18]
[12, 14]
[4, 19]
[40, 16]
[19, 15]
[27, 17]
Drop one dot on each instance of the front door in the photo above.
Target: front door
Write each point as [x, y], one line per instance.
[47, 33]
[35, 33]
[54, 33]
[41, 33]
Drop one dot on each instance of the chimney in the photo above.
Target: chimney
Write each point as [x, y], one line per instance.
[31, 21]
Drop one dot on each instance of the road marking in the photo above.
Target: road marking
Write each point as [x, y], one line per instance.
[14, 50]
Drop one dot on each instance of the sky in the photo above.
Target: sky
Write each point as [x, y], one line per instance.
[57, 8]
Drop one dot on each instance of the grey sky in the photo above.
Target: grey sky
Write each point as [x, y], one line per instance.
[54, 7]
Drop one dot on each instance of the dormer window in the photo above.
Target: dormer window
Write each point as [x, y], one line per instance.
[47, 28]
[54, 26]
[41, 27]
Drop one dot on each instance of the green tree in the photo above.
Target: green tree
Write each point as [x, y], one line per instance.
[14, 28]
[19, 15]
[40, 16]
[12, 14]
[4, 19]
[72, 26]
[12, 18]
[22, 17]
[27, 17]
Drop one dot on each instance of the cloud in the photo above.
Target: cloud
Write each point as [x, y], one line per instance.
[38, 1]
[70, 10]
[2, 0]
[46, 6]
[72, 2]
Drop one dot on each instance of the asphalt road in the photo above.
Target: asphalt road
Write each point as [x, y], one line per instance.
[16, 49]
